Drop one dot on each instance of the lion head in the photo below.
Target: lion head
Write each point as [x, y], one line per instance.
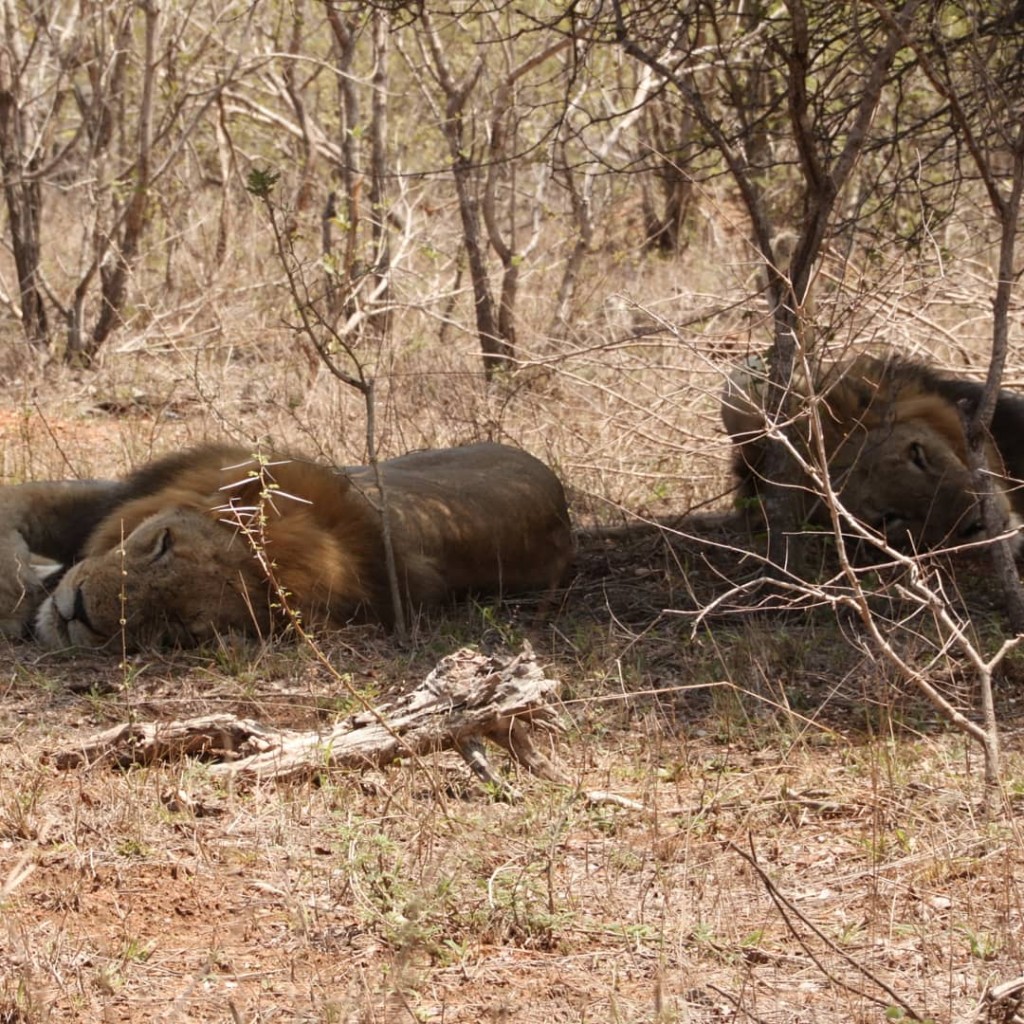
[895, 448]
[178, 578]
[218, 549]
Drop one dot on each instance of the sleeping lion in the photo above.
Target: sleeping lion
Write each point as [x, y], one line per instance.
[213, 539]
[893, 433]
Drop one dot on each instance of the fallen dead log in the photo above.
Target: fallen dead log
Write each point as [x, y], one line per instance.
[209, 738]
[1003, 1004]
[468, 698]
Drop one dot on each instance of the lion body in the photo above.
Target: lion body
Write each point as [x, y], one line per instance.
[893, 436]
[211, 540]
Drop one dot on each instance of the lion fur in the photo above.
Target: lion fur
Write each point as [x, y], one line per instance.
[893, 434]
[212, 539]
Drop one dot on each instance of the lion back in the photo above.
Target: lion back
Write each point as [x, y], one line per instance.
[484, 517]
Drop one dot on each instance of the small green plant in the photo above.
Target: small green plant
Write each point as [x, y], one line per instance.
[135, 950]
[491, 619]
[983, 946]
[134, 849]
[261, 181]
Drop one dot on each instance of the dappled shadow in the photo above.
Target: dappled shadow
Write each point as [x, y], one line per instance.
[637, 571]
[690, 599]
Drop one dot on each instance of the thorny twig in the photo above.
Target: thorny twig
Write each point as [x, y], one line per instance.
[786, 908]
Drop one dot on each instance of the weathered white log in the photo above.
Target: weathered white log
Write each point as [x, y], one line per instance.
[467, 698]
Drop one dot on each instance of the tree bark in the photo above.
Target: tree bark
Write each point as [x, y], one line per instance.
[23, 198]
[123, 249]
[496, 350]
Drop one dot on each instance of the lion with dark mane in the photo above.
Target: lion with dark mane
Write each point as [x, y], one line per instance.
[213, 539]
[893, 435]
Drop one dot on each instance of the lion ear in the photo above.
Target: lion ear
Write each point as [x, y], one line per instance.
[851, 400]
[842, 400]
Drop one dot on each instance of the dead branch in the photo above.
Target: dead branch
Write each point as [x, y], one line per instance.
[789, 912]
[210, 737]
[1002, 1004]
[468, 698]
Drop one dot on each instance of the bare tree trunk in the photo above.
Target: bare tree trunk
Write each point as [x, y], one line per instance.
[502, 160]
[379, 170]
[344, 27]
[304, 189]
[495, 348]
[581, 194]
[226, 159]
[580, 198]
[358, 278]
[22, 194]
[668, 143]
[115, 267]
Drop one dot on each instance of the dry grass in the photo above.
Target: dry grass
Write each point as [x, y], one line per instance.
[409, 895]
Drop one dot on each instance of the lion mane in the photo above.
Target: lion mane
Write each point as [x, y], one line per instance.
[893, 434]
[213, 539]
